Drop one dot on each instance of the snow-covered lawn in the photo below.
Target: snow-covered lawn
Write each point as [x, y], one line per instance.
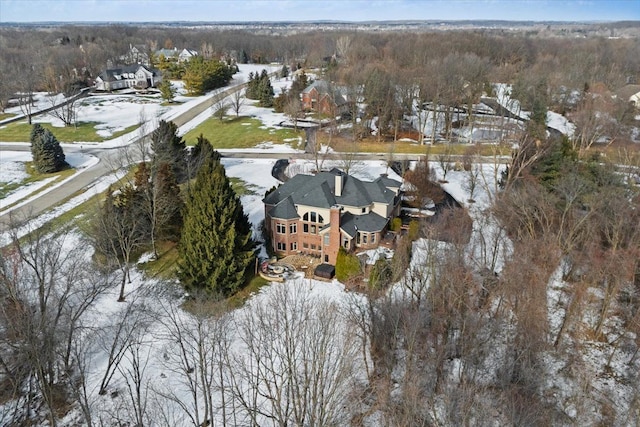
[166, 378]
[118, 111]
[12, 170]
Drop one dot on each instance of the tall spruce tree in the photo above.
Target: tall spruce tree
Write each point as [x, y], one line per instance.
[266, 93]
[46, 151]
[169, 148]
[216, 246]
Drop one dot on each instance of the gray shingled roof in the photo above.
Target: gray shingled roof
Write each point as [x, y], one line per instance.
[109, 74]
[284, 210]
[285, 190]
[321, 85]
[319, 191]
[371, 223]
[388, 182]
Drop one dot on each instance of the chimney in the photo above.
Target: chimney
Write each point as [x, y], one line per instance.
[334, 235]
[338, 190]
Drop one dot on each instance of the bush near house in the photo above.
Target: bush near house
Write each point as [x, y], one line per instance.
[347, 266]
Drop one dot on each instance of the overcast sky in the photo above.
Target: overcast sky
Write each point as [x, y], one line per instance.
[309, 10]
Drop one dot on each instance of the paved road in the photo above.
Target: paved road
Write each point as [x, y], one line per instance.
[111, 158]
[108, 158]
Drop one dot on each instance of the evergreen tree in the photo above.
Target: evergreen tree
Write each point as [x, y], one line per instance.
[202, 75]
[300, 83]
[347, 265]
[160, 202]
[216, 246]
[198, 153]
[266, 93]
[169, 148]
[47, 153]
[259, 87]
[37, 146]
[167, 91]
[252, 87]
[244, 58]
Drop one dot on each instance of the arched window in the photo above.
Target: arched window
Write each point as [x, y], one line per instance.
[313, 217]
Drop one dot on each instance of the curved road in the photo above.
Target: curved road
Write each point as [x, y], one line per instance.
[107, 158]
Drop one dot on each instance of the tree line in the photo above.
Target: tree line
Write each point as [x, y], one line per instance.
[395, 74]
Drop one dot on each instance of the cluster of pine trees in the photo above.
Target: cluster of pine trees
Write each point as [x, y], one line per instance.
[216, 248]
[202, 75]
[259, 88]
[292, 96]
[205, 218]
[47, 154]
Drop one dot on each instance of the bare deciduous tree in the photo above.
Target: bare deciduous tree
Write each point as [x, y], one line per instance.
[237, 101]
[196, 356]
[296, 363]
[66, 109]
[48, 284]
[220, 107]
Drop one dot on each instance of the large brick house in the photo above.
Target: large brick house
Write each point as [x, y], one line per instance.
[317, 214]
[320, 97]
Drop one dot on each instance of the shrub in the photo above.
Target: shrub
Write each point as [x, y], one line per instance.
[347, 266]
[414, 230]
[396, 224]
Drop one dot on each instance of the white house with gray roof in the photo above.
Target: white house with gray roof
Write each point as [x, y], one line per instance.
[128, 76]
[318, 214]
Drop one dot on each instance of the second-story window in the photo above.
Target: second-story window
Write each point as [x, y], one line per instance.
[281, 228]
[293, 228]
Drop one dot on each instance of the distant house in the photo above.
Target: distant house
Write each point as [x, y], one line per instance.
[137, 54]
[320, 97]
[128, 76]
[186, 55]
[318, 214]
[176, 55]
[630, 93]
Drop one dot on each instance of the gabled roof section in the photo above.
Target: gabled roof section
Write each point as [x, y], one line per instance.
[188, 52]
[388, 182]
[354, 193]
[320, 85]
[167, 53]
[114, 74]
[319, 191]
[379, 193]
[320, 196]
[370, 223]
[284, 210]
[293, 185]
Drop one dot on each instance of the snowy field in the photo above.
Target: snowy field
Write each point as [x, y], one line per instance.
[168, 391]
[12, 170]
[114, 113]
[118, 111]
[172, 396]
[167, 342]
